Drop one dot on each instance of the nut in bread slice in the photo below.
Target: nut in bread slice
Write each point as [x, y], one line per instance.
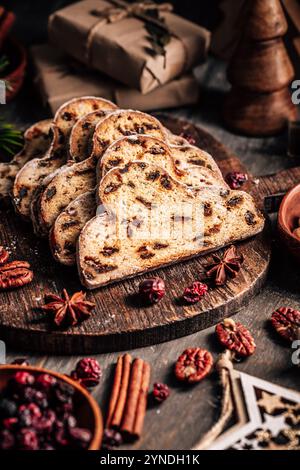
[33, 172]
[183, 223]
[36, 143]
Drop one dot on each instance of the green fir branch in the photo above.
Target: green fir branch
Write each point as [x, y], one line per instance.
[11, 139]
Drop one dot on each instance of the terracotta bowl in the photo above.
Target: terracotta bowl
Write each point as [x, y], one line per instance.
[289, 213]
[16, 70]
[87, 411]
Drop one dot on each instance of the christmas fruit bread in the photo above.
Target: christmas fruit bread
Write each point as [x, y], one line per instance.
[74, 179]
[34, 171]
[68, 225]
[36, 143]
[114, 246]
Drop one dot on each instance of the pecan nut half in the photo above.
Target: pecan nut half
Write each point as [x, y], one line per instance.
[15, 274]
[4, 255]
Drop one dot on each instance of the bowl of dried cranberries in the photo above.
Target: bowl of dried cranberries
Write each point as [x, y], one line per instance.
[45, 410]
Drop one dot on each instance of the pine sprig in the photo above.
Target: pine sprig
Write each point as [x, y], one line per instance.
[10, 138]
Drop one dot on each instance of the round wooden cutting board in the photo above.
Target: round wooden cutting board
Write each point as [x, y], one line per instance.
[119, 321]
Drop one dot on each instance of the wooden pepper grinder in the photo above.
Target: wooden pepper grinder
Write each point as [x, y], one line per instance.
[260, 72]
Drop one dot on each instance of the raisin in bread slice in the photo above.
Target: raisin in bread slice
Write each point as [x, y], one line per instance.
[33, 172]
[36, 143]
[68, 225]
[186, 156]
[184, 223]
[74, 179]
[119, 154]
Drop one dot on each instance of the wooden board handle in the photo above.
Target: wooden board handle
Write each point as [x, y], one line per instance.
[271, 189]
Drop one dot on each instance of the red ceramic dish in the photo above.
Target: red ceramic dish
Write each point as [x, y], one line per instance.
[88, 413]
[18, 60]
[289, 213]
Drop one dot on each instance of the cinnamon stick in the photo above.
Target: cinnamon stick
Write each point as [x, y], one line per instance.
[128, 402]
[119, 392]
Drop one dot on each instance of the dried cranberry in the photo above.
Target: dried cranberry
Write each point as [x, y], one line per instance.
[235, 336]
[193, 365]
[20, 361]
[152, 290]
[63, 393]
[8, 408]
[7, 440]
[235, 179]
[32, 409]
[87, 372]
[195, 292]
[80, 436]
[160, 392]
[10, 423]
[23, 378]
[111, 439]
[28, 439]
[45, 381]
[44, 424]
[286, 322]
[39, 397]
[61, 438]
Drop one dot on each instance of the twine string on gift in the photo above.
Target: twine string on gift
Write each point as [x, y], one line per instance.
[121, 10]
[223, 366]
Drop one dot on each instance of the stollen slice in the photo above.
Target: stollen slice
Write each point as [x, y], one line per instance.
[186, 156]
[74, 179]
[68, 225]
[33, 172]
[36, 143]
[158, 222]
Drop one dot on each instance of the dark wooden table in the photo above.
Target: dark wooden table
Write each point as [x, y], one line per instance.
[189, 412]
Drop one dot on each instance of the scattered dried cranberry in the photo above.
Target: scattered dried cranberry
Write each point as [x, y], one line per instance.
[235, 336]
[235, 180]
[87, 372]
[286, 322]
[193, 365]
[152, 290]
[111, 439]
[10, 423]
[160, 392]
[20, 361]
[195, 292]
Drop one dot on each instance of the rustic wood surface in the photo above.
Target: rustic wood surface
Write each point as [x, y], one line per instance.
[189, 412]
[120, 320]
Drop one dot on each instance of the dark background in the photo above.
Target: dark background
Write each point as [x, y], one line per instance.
[32, 15]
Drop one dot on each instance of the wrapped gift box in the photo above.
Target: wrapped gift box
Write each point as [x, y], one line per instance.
[116, 41]
[59, 79]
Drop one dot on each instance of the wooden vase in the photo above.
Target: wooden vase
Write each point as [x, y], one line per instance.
[260, 72]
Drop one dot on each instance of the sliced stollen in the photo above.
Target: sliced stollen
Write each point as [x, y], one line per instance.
[186, 156]
[80, 146]
[34, 171]
[37, 141]
[68, 225]
[74, 179]
[119, 154]
[118, 244]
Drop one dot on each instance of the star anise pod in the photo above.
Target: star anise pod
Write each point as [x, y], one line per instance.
[225, 266]
[68, 311]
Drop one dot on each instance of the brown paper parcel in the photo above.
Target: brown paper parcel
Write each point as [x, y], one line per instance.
[59, 79]
[121, 49]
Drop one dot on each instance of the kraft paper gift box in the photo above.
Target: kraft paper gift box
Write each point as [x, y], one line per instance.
[60, 79]
[113, 40]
